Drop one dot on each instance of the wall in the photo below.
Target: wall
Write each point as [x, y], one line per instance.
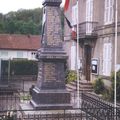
[102, 31]
[10, 54]
[23, 83]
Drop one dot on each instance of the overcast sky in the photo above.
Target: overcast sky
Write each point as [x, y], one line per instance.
[14, 5]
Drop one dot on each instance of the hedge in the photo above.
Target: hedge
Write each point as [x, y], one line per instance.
[20, 67]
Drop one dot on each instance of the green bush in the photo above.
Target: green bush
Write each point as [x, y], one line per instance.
[19, 67]
[98, 86]
[117, 86]
[23, 67]
[71, 75]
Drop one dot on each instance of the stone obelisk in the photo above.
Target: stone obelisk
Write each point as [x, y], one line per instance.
[50, 91]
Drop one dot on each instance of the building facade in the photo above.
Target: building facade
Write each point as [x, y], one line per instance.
[96, 37]
[19, 46]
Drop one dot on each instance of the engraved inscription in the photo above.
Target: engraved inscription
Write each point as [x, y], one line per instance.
[49, 71]
[53, 27]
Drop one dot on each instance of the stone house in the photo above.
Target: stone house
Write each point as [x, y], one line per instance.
[96, 37]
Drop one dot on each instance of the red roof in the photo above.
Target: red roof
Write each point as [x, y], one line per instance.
[19, 42]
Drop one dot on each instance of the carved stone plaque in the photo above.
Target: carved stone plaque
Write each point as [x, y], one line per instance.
[49, 71]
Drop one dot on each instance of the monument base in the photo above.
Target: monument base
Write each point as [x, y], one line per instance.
[50, 99]
[28, 112]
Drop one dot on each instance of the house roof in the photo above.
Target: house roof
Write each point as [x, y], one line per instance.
[19, 42]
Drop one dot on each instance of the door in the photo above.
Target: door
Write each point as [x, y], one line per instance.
[87, 54]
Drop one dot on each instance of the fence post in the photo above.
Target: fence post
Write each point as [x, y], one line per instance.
[64, 114]
[14, 115]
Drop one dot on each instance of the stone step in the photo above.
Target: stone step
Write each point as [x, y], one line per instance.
[80, 86]
[84, 86]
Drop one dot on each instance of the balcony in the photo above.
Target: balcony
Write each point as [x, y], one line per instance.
[87, 30]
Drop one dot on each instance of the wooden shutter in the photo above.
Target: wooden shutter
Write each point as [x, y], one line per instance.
[74, 15]
[107, 59]
[89, 15]
[108, 14]
[73, 57]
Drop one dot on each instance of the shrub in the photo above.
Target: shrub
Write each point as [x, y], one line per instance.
[98, 86]
[20, 67]
[71, 75]
[23, 67]
[117, 86]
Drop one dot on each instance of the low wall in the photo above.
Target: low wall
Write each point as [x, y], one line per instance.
[20, 82]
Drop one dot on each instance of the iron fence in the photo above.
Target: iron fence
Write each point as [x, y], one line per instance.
[99, 108]
[92, 108]
[72, 114]
[10, 100]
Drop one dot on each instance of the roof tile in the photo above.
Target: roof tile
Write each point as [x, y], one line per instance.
[19, 42]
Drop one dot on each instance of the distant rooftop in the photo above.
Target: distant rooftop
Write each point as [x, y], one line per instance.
[19, 42]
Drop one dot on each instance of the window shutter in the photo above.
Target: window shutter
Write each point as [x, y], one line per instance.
[108, 14]
[107, 59]
[73, 57]
[104, 59]
[74, 15]
[89, 15]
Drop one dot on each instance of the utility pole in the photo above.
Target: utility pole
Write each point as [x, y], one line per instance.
[78, 94]
[115, 76]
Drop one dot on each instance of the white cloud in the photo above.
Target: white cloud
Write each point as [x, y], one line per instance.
[14, 5]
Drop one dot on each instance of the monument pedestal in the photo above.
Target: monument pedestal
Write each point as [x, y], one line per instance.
[50, 99]
[50, 92]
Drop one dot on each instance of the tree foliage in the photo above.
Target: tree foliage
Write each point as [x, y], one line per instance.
[117, 86]
[23, 22]
[20, 67]
[71, 76]
[98, 86]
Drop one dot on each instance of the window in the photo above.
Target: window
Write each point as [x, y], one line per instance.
[108, 15]
[107, 48]
[89, 15]
[73, 56]
[19, 54]
[74, 15]
[4, 54]
[33, 55]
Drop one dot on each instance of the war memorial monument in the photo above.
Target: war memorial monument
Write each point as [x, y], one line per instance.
[50, 91]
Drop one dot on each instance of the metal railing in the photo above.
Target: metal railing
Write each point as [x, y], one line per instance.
[99, 108]
[69, 114]
[92, 108]
[87, 28]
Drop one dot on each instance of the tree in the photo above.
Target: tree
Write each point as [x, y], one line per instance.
[23, 22]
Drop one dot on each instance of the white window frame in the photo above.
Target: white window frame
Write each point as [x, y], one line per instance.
[107, 58]
[108, 14]
[89, 15]
[74, 14]
[4, 54]
[19, 54]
